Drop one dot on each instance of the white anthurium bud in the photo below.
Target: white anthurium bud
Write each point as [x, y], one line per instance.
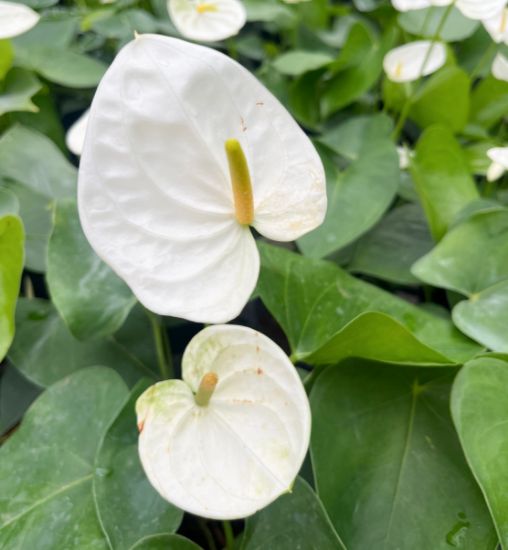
[405, 156]
[480, 9]
[16, 19]
[497, 26]
[499, 158]
[207, 21]
[500, 67]
[184, 150]
[75, 137]
[231, 437]
[414, 60]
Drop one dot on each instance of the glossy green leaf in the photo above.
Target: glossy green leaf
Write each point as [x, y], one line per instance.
[11, 266]
[390, 249]
[442, 178]
[388, 465]
[99, 305]
[6, 57]
[17, 90]
[320, 306]
[302, 510]
[123, 25]
[45, 351]
[165, 542]
[28, 157]
[297, 62]
[9, 203]
[358, 196]
[489, 102]
[480, 412]
[128, 507]
[443, 99]
[47, 466]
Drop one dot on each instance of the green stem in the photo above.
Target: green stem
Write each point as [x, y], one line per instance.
[228, 533]
[208, 534]
[488, 52]
[162, 348]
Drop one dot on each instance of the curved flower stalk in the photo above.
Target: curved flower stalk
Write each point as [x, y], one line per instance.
[499, 158]
[16, 19]
[414, 60]
[231, 437]
[184, 150]
[207, 21]
[500, 67]
[75, 137]
[497, 26]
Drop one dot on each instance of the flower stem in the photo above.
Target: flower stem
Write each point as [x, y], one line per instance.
[228, 533]
[162, 347]
[478, 67]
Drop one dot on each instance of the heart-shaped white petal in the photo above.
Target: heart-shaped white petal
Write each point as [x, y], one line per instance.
[500, 67]
[497, 26]
[16, 19]
[155, 195]
[411, 61]
[234, 456]
[75, 137]
[207, 20]
[480, 9]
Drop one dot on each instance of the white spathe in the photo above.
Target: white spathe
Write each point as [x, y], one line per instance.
[499, 158]
[16, 19]
[409, 5]
[497, 26]
[480, 9]
[412, 61]
[75, 137]
[207, 21]
[239, 453]
[500, 67]
[155, 196]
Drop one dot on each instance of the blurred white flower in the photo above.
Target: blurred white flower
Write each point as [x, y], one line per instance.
[411, 61]
[497, 26]
[16, 19]
[499, 158]
[75, 137]
[231, 437]
[473, 9]
[409, 5]
[500, 67]
[184, 150]
[207, 21]
[405, 156]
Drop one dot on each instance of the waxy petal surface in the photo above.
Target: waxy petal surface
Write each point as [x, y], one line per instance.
[243, 450]
[16, 19]
[207, 21]
[155, 195]
[480, 9]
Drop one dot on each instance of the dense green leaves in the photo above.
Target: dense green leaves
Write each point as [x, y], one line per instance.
[99, 305]
[480, 413]
[389, 468]
[17, 90]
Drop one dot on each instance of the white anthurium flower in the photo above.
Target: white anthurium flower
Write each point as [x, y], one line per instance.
[410, 5]
[497, 26]
[405, 156]
[480, 9]
[500, 67]
[75, 137]
[184, 150]
[231, 437]
[412, 61]
[207, 21]
[16, 19]
[499, 158]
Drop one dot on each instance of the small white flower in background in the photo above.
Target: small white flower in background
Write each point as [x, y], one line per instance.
[500, 67]
[497, 26]
[499, 158]
[480, 9]
[231, 437]
[409, 5]
[16, 19]
[405, 156]
[406, 63]
[75, 137]
[207, 21]
[185, 150]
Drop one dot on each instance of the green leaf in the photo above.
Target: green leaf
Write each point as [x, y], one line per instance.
[45, 351]
[489, 102]
[30, 158]
[123, 25]
[6, 57]
[9, 203]
[17, 90]
[128, 507]
[96, 307]
[442, 178]
[303, 511]
[358, 196]
[11, 266]
[47, 466]
[443, 99]
[320, 306]
[427, 22]
[297, 62]
[390, 249]
[388, 465]
[165, 542]
[480, 412]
